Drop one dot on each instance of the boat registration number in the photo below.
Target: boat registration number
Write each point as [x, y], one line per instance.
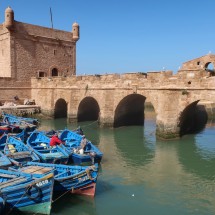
[41, 183]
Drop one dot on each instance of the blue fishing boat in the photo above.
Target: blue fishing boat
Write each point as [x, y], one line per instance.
[79, 155]
[6, 128]
[39, 143]
[3, 140]
[14, 118]
[4, 162]
[2, 203]
[17, 151]
[76, 179]
[23, 135]
[21, 192]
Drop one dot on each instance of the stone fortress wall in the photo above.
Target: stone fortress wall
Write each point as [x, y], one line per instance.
[33, 51]
[40, 63]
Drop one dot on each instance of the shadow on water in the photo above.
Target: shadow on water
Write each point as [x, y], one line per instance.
[71, 204]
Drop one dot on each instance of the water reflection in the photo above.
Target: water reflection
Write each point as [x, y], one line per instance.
[197, 154]
[71, 204]
[166, 177]
[132, 145]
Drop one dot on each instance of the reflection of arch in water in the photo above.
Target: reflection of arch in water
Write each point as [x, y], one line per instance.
[193, 158]
[60, 110]
[130, 111]
[88, 110]
[132, 146]
[193, 119]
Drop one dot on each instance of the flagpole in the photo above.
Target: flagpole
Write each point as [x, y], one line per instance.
[51, 17]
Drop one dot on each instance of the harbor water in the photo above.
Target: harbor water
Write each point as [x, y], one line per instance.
[140, 174]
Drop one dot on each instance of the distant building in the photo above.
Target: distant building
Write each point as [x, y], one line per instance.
[28, 50]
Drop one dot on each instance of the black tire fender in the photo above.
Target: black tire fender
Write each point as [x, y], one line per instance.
[29, 194]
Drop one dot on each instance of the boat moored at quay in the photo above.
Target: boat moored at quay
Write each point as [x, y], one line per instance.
[30, 172]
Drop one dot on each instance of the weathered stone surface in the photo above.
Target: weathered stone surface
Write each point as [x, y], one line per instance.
[40, 63]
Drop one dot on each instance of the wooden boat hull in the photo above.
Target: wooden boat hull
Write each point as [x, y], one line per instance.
[17, 151]
[39, 143]
[2, 204]
[21, 122]
[79, 159]
[40, 208]
[4, 162]
[88, 190]
[32, 195]
[77, 179]
[73, 141]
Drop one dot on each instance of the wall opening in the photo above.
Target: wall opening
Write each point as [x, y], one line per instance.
[54, 72]
[41, 74]
[193, 119]
[88, 110]
[209, 66]
[60, 110]
[130, 111]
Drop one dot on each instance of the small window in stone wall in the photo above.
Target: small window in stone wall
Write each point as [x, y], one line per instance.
[55, 51]
[198, 63]
[54, 72]
[42, 74]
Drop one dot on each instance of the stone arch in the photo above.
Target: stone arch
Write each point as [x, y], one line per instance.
[54, 71]
[88, 110]
[130, 111]
[209, 67]
[60, 110]
[192, 119]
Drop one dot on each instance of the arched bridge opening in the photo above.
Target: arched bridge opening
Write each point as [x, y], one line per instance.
[88, 110]
[60, 110]
[130, 111]
[209, 67]
[193, 119]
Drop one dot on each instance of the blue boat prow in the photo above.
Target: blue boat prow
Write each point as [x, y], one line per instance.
[17, 151]
[76, 179]
[21, 192]
[4, 162]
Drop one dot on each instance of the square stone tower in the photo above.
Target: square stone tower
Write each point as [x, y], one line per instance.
[33, 51]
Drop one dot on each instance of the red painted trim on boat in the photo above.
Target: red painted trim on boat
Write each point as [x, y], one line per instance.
[88, 190]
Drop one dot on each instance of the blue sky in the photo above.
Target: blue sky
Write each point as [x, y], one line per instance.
[119, 36]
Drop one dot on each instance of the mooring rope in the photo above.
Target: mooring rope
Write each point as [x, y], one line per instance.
[65, 193]
[89, 124]
[16, 204]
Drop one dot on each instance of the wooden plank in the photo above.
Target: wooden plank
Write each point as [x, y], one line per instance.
[36, 170]
[12, 182]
